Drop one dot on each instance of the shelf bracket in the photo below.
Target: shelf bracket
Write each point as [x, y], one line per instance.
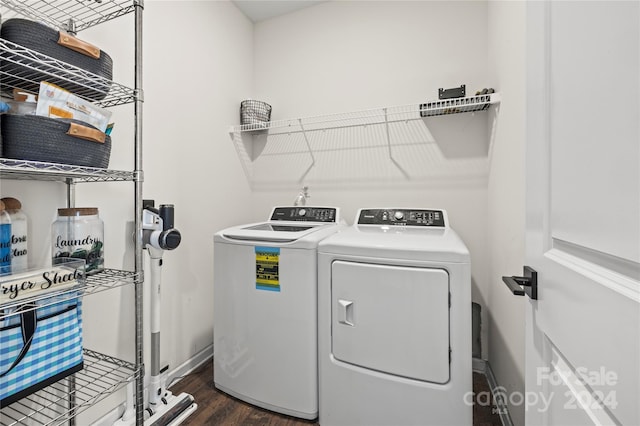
[139, 95]
[313, 158]
[388, 133]
[70, 26]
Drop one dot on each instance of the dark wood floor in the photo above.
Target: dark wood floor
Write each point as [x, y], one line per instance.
[217, 408]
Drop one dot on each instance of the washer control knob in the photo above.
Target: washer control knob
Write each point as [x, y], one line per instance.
[302, 212]
[398, 215]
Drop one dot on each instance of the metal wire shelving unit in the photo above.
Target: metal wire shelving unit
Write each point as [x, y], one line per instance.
[102, 374]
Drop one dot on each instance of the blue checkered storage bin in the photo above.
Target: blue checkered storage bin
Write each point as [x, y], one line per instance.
[39, 346]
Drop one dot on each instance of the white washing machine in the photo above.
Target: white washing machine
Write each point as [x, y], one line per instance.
[394, 322]
[265, 309]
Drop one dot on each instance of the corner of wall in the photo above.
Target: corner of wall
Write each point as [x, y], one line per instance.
[506, 204]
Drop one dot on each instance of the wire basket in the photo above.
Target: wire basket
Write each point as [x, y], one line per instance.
[255, 115]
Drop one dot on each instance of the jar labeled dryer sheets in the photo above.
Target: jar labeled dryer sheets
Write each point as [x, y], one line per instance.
[78, 233]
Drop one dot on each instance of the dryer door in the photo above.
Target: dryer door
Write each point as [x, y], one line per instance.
[392, 319]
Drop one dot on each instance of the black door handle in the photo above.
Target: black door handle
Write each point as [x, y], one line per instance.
[527, 284]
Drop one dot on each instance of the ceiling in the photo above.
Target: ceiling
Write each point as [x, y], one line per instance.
[259, 10]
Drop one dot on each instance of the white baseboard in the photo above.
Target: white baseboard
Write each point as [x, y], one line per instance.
[190, 365]
[482, 366]
[174, 377]
[479, 366]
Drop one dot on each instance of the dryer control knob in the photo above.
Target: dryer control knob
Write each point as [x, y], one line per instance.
[398, 215]
[302, 212]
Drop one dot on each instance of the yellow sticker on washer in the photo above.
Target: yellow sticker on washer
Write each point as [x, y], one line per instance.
[267, 268]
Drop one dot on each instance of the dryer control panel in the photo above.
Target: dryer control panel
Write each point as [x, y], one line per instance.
[402, 217]
[305, 214]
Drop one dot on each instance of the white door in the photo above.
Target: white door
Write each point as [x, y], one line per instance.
[583, 213]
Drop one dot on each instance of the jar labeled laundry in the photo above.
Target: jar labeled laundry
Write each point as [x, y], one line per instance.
[78, 233]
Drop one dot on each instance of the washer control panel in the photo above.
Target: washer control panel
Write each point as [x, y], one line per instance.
[305, 214]
[402, 217]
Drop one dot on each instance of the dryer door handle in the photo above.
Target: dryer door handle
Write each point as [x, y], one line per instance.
[345, 312]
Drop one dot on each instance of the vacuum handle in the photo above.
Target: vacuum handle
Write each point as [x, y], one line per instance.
[166, 213]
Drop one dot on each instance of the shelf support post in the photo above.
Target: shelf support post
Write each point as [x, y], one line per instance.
[71, 192]
[71, 399]
[139, 262]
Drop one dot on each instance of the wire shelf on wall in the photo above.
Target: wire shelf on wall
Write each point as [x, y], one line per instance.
[83, 13]
[37, 170]
[56, 72]
[62, 401]
[443, 141]
[105, 280]
[403, 113]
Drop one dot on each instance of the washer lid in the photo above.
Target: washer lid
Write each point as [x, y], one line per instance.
[281, 232]
[304, 225]
[278, 228]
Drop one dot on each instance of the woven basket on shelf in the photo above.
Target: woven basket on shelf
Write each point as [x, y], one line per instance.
[20, 73]
[54, 140]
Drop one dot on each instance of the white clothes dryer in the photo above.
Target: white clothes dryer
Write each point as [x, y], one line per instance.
[394, 322]
[265, 309]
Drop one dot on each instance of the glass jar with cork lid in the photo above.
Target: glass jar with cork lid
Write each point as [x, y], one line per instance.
[78, 233]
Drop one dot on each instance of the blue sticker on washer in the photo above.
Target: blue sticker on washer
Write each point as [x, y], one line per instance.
[267, 265]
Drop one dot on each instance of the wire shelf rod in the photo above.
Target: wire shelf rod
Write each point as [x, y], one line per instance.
[37, 170]
[105, 280]
[85, 14]
[36, 64]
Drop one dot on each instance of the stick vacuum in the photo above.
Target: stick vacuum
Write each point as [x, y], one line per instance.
[163, 408]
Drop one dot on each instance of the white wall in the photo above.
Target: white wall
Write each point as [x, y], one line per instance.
[506, 199]
[191, 96]
[342, 56]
